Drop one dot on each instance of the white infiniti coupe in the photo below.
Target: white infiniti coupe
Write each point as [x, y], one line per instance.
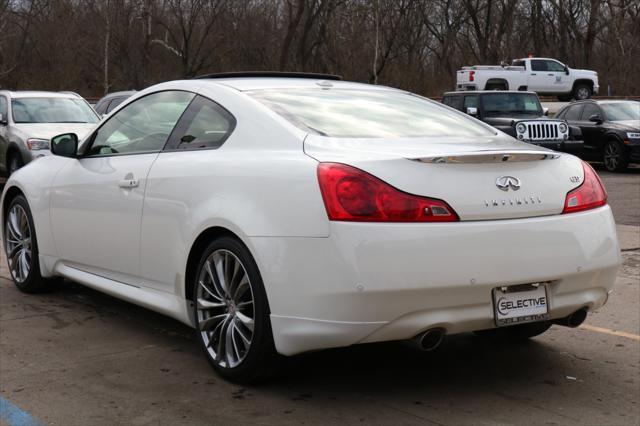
[279, 215]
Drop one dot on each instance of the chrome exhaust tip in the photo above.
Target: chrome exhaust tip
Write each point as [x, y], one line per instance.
[429, 340]
[573, 320]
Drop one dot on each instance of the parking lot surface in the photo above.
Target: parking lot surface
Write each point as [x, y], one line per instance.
[78, 357]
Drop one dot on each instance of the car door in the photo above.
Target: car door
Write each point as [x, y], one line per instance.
[96, 201]
[591, 132]
[539, 80]
[183, 171]
[558, 79]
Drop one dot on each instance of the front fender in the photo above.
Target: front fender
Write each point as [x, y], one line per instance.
[575, 133]
[33, 181]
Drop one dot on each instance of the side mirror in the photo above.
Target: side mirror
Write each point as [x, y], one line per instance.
[472, 111]
[595, 118]
[3, 120]
[566, 70]
[545, 111]
[65, 145]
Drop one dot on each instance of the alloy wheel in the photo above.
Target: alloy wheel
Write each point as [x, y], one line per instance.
[611, 156]
[225, 308]
[18, 243]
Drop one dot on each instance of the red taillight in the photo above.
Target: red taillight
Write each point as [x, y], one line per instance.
[472, 75]
[589, 195]
[350, 194]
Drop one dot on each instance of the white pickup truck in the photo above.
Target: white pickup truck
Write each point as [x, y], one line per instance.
[544, 76]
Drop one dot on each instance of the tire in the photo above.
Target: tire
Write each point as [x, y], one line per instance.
[516, 333]
[614, 156]
[582, 91]
[564, 98]
[21, 248]
[496, 86]
[231, 314]
[15, 162]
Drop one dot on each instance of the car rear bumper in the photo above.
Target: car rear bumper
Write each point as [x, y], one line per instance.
[378, 282]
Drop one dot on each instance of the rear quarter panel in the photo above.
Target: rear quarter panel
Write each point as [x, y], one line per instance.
[258, 184]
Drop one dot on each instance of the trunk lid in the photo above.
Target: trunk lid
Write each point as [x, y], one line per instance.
[467, 175]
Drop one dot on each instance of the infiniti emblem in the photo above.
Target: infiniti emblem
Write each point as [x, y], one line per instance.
[506, 182]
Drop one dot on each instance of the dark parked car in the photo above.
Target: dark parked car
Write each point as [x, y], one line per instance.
[611, 131]
[110, 101]
[518, 114]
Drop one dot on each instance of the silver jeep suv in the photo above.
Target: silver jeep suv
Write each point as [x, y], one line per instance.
[28, 120]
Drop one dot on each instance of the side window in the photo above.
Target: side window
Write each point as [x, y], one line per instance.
[205, 125]
[589, 110]
[142, 126]
[101, 107]
[470, 102]
[3, 108]
[518, 64]
[573, 113]
[554, 66]
[538, 65]
[454, 102]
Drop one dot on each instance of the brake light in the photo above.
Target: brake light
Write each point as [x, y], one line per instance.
[351, 194]
[589, 195]
[472, 75]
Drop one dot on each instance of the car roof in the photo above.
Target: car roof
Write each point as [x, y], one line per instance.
[118, 94]
[537, 57]
[599, 101]
[40, 94]
[481, 92]
[259, 83]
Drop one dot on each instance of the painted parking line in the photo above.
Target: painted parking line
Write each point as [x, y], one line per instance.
[610, 332]
[12, 415]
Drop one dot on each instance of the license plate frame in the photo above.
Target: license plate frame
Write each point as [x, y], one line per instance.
[508, 311]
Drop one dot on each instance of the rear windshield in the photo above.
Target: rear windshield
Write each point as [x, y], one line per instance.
[367, 113]
[52, 110]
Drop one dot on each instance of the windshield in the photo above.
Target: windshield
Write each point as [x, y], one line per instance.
[622, 111]
[347, 113]
[52, 110]
[508, 104]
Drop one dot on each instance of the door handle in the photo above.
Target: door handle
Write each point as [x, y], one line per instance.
[533, 73]
[551, 75]
[129, 183]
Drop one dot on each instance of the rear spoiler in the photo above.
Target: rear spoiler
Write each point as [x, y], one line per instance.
[489, 157]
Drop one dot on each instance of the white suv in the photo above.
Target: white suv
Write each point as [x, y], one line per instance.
[28, 120]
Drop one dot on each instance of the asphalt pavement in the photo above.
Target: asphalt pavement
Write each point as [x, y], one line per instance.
[79, 357]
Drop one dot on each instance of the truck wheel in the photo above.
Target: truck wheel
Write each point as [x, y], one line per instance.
[614, 156]
[496, 86]
[581, 91]
[564, 98]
